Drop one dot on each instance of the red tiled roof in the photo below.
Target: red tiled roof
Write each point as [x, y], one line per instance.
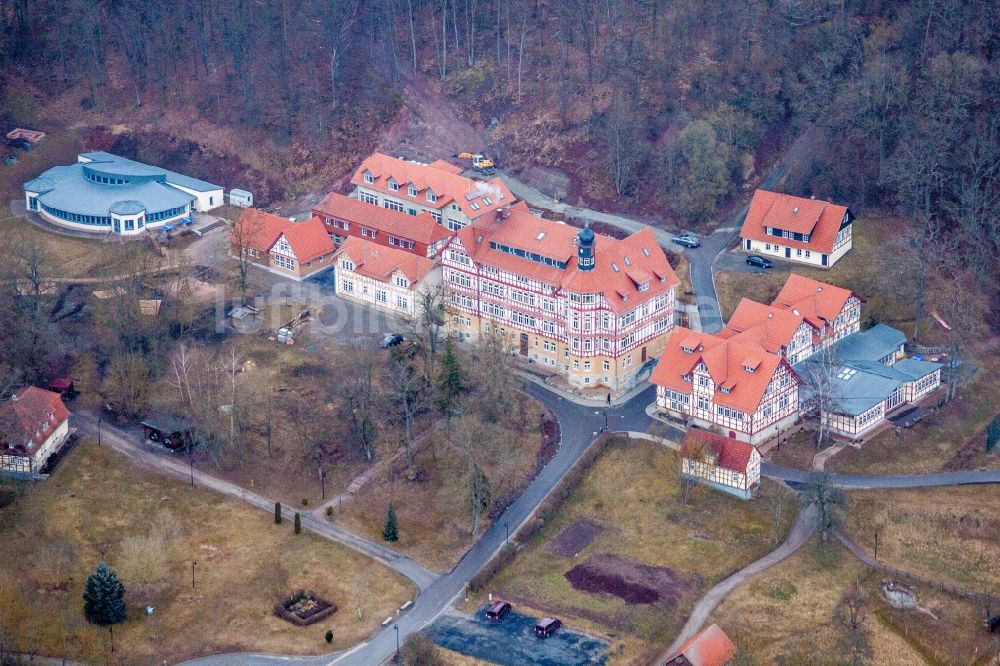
[709, 647]
[258, 230]
[620, 266]
[28, 419]
[730, 453]
[817, 301]
[380, 262]
[439, 177]
[767, 326]
[308, 240]
[725, 360]
[420, 228]
[820, 219]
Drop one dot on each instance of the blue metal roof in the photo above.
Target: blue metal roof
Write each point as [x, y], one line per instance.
[874, 344]
[127, 208]
[857, 386]
[125, 166]
[73, 193]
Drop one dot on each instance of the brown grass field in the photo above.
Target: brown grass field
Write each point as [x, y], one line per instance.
[434, 518]
[632, 490]
[786, 616]
[946, 534]
[56, 531]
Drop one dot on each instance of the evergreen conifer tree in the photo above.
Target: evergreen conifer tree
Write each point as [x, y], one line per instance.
[104, 597]
[391, 530]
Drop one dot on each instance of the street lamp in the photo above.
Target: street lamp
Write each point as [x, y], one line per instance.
[193, 562]
[98, 430]
[396, 627]
[506, 527]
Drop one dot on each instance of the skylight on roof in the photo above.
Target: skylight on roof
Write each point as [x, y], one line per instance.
[846, 373]
[540, 236]
[486, 200]
[475, 205]
[628, 262]
[645, 251]
[614, 267]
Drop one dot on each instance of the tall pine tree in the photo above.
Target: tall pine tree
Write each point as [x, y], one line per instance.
[104, 597]
[450, 383]
[391, 530]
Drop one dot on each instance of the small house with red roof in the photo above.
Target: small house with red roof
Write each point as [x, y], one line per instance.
[721, 462]
[34, 425]
[347, 217]
[590, 307]
[387, 278]
[406, 186]
[292, 249]
[709, 647]
[807, 231]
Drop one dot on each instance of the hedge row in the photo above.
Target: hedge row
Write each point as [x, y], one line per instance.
[566, 486]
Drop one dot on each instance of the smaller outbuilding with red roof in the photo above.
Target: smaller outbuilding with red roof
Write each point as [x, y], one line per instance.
[293, 249]
[808, 231]
[34, 425]
[721, 462]
[709, 647]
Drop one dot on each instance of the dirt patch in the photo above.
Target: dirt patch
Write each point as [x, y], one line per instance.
[574, 538]
[630, 581]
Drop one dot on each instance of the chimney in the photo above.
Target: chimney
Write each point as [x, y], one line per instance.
[585, 249]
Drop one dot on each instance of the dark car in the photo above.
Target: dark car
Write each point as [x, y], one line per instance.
[759, 261]
[391, 340]
[22, 144]
[547, 626]
[687, 240]
[498, 611]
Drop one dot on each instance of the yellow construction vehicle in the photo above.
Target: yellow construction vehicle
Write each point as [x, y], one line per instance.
[480, 163]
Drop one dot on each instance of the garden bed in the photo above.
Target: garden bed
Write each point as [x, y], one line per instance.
[303, 608]
[632, 582]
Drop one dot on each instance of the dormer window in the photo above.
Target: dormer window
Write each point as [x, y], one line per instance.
[687, 350]
[432, 197]
[393, 185]
[687, 378]
[748, 368]
[725, 389]
[412, 191]
[369, 177]
[644, 286]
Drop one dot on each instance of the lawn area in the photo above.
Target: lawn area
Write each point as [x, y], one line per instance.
[786, 616]
[950, 438]
[633, 495]
[946, 534]
[433, 510]
[150, 527]
[864, 270]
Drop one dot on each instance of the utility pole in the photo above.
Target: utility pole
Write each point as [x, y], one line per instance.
[98, 430]
[322, 482]
[193, 562]
[876, 545]
[506, 526]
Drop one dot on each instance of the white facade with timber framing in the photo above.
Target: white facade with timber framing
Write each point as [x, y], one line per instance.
[720, 462]
[593, 308]
[34, 424]
[385, 278]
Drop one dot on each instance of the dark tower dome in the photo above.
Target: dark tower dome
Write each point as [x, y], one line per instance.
[585, 248]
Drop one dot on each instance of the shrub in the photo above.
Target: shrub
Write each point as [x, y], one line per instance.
[305, 501]
[418, 650]
[329, 512]
[277, 513]
[298, 523]
[329, 635]
[391, 530]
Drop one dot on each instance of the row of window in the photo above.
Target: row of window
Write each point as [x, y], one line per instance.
[76, 217]
[399, 242]
[394, 186]
[105, 180]
[524, 254]
[790, 235]
[283, 262]
[165, 214]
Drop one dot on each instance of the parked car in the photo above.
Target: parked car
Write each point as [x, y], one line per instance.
[547, 626]
[391, 340]
[498, 611]
[687, 240]
[759, 261]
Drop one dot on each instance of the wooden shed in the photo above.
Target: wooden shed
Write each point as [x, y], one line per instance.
[171, 431]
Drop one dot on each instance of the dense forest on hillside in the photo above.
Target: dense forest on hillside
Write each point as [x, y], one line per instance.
[676, 107]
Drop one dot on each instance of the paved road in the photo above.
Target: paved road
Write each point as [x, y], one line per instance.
[859, 482]
[127, 443]
[803, 527]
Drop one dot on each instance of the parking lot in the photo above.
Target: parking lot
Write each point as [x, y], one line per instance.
[512, 642]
